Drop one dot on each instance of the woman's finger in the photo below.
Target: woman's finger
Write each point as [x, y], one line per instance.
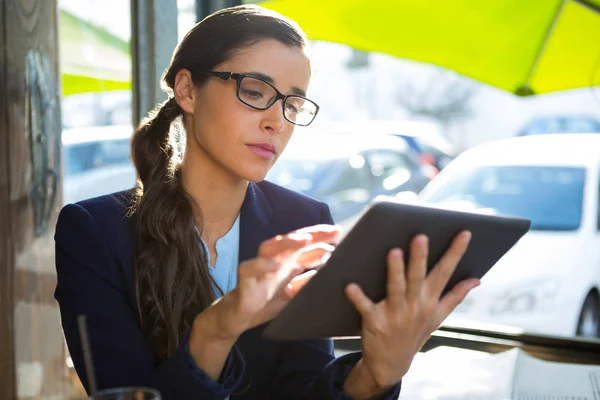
[396, 281]
[361, 302]
[295, 263]
[296, 240]
[283, 243]
[455, 296]
[299, 281]
[257, 268]
[313, 255]
[323, 228]
[323, 233]
[417, 266]
[443, 270]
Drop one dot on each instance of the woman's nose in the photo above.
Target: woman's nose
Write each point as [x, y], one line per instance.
[273, 119]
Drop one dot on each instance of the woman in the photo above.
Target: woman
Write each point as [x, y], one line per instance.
[147, 266]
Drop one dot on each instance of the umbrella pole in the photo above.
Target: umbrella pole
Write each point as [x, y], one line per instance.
[526, 90]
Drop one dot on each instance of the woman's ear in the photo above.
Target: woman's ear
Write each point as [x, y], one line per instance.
[184, 91]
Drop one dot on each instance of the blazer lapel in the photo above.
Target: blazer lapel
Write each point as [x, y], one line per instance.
[255, 217]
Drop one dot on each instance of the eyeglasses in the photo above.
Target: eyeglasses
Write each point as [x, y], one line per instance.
[261, 95]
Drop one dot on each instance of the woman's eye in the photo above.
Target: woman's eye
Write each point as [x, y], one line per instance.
[252, 93]
[292, 108]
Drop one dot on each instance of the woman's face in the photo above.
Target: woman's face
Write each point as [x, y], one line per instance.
[234, 136]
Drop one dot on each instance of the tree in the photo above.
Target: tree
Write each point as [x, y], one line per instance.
[444, 97]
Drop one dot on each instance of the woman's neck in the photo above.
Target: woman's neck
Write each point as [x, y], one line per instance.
[217, 191]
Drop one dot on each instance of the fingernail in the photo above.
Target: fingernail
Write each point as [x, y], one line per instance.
[289, 290]
[467, 235]
[475, 284]
[300, 236]
[351, 287]
[325, 257]
[397, 254]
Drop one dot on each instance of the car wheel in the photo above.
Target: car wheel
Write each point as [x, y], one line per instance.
[589, 319]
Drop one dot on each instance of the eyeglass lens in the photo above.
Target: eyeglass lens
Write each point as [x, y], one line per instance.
[260, 95]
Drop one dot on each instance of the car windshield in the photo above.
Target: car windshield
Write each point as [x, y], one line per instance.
[562, 125]
[297, 175]
[552, 197]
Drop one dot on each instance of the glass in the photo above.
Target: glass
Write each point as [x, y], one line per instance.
[552, 197]
[83, 157]
[261, 95]
[559, 124]
[186, 17]
[126, 394]
[96, 73]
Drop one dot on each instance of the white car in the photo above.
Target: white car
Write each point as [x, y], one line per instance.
[549, 282]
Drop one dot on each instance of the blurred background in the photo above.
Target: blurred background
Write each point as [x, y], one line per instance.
[399, 117]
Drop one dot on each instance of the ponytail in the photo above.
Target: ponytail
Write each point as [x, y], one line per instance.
[172, 281]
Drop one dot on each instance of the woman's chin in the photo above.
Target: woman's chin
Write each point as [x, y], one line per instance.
[255, 175]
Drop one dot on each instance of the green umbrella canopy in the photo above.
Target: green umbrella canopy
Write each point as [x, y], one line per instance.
[521, 46]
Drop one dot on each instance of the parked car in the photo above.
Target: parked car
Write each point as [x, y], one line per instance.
[96, 161]
[561, 124]
[549, 282]
[347, 171]
[422, 137]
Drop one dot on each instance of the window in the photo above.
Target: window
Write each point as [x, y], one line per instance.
[552, 197]
[82, 157]
[96, 73]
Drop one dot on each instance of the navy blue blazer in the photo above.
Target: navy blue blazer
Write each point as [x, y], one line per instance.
[94, 267]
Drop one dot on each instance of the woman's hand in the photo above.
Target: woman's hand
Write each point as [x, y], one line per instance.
[267, 283]
[396, 328]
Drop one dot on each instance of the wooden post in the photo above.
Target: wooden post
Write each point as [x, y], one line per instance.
[32, 351]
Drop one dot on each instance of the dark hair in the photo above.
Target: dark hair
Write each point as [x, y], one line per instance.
[172, 280]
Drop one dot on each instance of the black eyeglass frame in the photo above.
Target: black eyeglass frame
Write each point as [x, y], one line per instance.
[279, 96]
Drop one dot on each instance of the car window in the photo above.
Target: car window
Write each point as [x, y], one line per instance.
[552, 197]
[581, 125]
[301, 176]
[562, 125]
[353, 175]
[347, 187]
[390, 169]
[83, 157]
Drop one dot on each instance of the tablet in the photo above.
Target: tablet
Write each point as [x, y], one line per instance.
[322, 310]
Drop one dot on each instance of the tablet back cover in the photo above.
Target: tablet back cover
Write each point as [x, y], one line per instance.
[322, 310]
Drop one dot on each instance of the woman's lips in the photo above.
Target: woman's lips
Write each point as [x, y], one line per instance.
[263, 150]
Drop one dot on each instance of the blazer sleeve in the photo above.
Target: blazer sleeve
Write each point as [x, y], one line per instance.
[91, 283]
[309, 370]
